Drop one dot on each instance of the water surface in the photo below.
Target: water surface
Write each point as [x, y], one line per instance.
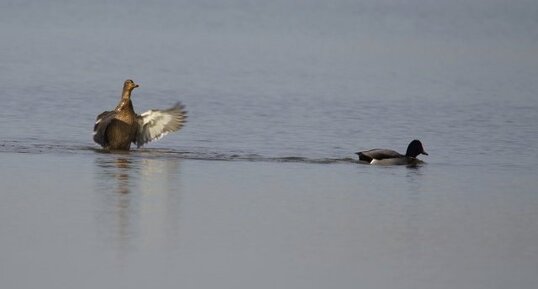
[261, 188]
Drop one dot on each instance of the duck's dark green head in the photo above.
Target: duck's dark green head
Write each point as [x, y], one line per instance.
[414, 149]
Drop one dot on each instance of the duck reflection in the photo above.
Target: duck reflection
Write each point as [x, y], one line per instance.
[115, 170]
[139, 200]
[122, 175]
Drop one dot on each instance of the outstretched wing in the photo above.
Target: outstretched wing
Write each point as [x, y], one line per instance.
[101, 123]
[154, 124]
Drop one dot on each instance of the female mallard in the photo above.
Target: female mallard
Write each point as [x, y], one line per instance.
[117, 129]
[390, 157]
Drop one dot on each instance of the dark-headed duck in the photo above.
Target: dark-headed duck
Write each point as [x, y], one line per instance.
[390, 157]
[117, 129]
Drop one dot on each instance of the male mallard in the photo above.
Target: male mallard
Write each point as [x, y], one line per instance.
[390, 157]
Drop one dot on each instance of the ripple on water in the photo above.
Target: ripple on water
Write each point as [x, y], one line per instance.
[24, 147]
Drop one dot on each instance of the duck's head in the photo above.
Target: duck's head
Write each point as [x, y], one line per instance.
[129, 85]
[414, 149]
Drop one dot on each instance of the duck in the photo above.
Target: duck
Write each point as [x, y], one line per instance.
[117, 129]
[390, 157]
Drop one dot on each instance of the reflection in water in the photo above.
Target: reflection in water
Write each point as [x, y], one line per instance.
[139, 200]
[411, 213]
[114, 170]
[122, 175]
[413, 177]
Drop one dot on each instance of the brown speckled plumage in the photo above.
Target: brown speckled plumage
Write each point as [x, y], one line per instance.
[117, 129]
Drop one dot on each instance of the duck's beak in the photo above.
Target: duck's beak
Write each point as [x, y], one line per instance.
[424, 153]
[136, 85]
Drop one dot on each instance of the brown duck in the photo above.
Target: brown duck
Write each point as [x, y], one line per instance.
[117, 129]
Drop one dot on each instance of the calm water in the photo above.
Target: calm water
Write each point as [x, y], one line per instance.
[260, 189]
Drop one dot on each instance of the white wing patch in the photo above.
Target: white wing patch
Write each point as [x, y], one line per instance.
[154, 124]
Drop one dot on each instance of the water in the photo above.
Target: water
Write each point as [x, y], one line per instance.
[261, 189]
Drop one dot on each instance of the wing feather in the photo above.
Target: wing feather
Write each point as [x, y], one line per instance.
[154, 124]
[378, 154]
[101, 124]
